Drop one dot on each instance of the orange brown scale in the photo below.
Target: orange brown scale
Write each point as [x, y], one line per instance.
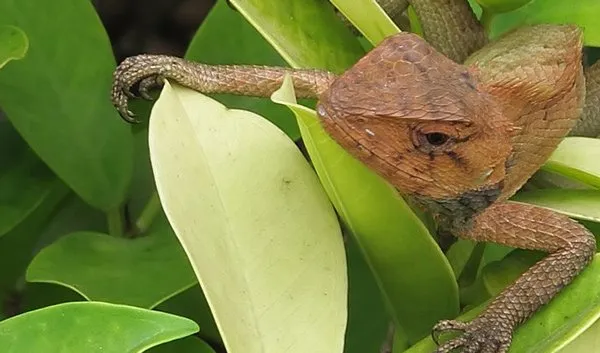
[381, 109]
[536, 75]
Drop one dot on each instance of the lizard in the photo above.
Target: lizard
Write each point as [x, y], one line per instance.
[457, 125]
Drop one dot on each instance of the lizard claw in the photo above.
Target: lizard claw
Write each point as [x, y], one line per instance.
[445, 326]
[146, 72]
[148, 84]
[477, 336]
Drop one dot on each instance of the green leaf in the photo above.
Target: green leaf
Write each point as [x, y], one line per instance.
[583, 13]
[57, 97]
[588, 341]
[569, 314]
[18, 246]
[91, 327]
[369, 18]
[316, 38]
[142, 188]
[225, 37]
[498, 275]
[34, 296]
[13, 44]
[23, 187]
[399, 343]
[580, 204]
[256, 225]
[25, 182]
[192, 304]
[458, 255]
[477, 10]
[368, 321]
[60, 213]
[184, 345]
[577, 158]
[136, 272]
[72, 216]
[411, 269]
[498, 6]
[543, 179]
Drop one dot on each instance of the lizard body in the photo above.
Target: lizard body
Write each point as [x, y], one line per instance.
[460, 140]
[457, 139]
[537, 75]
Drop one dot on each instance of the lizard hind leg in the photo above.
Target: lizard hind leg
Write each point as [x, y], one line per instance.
[570, 246]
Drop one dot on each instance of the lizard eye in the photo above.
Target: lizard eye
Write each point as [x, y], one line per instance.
[436, 138]
[432, 140]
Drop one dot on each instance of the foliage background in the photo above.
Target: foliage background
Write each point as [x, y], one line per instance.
[78, 219]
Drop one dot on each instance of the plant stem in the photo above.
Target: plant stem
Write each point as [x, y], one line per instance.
[115, 222]
[148, 214]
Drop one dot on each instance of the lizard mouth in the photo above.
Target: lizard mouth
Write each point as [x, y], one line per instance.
[335, 129]
[348, 139]
[456, 211]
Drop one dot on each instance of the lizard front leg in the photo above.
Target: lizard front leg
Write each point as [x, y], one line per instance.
[150, 71]
[571, 248]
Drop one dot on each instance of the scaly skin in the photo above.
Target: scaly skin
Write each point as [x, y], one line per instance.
[458, 140]
[451, 27]
[497, 127]
[249, 80]
[589, 123]
[536, 73]
[571, 247]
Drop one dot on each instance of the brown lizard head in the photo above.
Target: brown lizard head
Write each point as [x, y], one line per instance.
[419, 120]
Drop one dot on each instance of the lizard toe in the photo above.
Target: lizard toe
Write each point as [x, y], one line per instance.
[477, 336]
[446, 326]
[452, 345]
[149, 83]
[143, 71]
[120, 102]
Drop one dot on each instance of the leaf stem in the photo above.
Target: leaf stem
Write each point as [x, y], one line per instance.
[115, 222]
[486, 20]
[148, 214]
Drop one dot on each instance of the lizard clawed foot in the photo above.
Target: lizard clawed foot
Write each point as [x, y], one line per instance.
[478, 336]
[145, 71]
